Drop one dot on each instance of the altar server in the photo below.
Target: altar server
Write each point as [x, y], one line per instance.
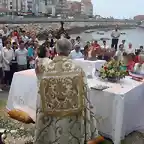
[61, 116]
[119, 53]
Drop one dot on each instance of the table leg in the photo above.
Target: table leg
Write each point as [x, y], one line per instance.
[118, 118]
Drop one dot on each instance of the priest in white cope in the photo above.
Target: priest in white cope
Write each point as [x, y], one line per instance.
[63, 115]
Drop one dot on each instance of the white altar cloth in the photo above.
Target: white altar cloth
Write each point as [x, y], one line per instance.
[88, 65]
[23, 92]
[118, 108]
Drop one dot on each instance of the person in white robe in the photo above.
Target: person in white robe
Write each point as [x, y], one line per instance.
[119, 53]
[63, 113]
[104, 45]
[139, 67]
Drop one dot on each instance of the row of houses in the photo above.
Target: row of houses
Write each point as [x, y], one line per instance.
[52, 7]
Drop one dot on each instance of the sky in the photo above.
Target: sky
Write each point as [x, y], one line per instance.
[118, 8]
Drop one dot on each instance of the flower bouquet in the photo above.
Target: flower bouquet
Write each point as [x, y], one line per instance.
[113, 71]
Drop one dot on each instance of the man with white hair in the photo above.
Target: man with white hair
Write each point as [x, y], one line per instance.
[130, 49]
[76, 53]
[63, 113]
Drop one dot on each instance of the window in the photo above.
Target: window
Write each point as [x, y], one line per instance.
[10, 3]
[49, 2]
[10, 7]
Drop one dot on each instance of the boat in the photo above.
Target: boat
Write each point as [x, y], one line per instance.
[100, 33]
[104, 39]
[89, 31]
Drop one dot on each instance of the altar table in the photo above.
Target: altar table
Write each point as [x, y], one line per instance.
[118, 109]
[88, 66]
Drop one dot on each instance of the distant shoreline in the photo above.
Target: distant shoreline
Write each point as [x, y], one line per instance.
[78, 30]
[105, 28]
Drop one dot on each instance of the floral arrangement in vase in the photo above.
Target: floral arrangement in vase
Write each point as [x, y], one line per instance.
[113, 71]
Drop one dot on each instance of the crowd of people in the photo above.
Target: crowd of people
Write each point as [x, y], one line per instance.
[17, 52]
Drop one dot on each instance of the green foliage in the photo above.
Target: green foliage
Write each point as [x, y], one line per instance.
[113, 69]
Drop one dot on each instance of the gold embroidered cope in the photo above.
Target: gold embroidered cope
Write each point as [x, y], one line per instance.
[62, 90]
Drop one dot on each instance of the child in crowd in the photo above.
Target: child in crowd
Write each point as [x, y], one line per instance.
[125, 61]
[119, 53]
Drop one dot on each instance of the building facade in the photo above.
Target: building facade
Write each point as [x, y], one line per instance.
[3, 6]
[3, 3]
[74, 8]
[139, 18]
[13, 5]
[87, 8]
[62, 8]
[56, 7]
[28, 5]
[9, 4]
[50, 7]
[42, 7]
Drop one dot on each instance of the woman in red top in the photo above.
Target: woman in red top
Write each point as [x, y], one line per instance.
[95, 45]
[137, 57]
[131, 62]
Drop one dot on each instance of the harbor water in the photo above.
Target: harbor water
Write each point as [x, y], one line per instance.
[134, 36]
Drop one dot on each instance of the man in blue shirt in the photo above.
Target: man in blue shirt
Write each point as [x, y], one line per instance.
[31, 56]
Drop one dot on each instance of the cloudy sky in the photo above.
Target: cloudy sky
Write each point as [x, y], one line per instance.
[118, 8]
